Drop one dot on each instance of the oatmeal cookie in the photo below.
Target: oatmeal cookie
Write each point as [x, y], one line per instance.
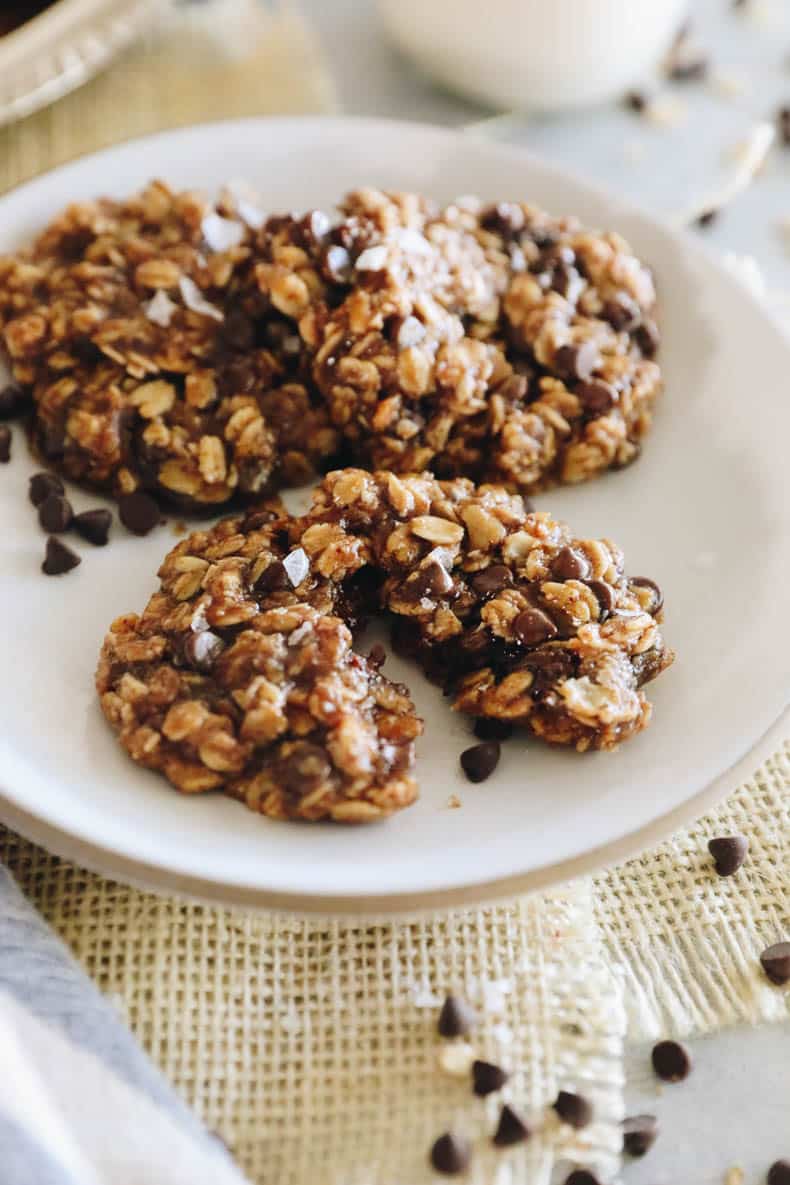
[152, 358]
[237, 677]
[240, 675]
[517, 618]
[492, 342]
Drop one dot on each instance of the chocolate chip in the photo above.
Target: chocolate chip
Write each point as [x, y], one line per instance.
[567, 281]
[42, 485]
[457, 1018]
[12, 401]
[5, 444]
[451, 1154]
[577, 362]
[622, 312]
[505, 218]
[636, 101]
[648, 338]
[55, 514]
[511, 1129]
[432, 580]
[58, 558]
[671, 1061]
[779, 1173]
[488, 728]
[491, 580]
[581, 1177]
[533, 626]
[657, 601]
[272, 579]
[570, 565]
[783, 118]
[776, 963]
[479, 762]
[202, 650]
[604, 595]
[52, 441]
[487, 1078]
[377, 655]
[573, 1109]
[707, 217]
[639, 1134]
[596, 397]
[93, 525]
[728, 852]
[138, 512]
[305, 768]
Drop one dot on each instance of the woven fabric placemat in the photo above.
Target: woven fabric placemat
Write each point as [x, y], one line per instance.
[310, 1044]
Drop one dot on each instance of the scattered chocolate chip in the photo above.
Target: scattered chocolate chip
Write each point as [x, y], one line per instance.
[779, 1173]
[776, 963]
[58, 558]
[671, 1061]
[457, 1018]
[491, 580]
[12, 401]
[573, 1109]
[377, 655]
[636, 101]
[728, 852]
[487, 1078]
[5, 444]
[42, 485]
[604, 595]
[639, 1134]
[202, 650]
[622, 312]
[783, 119]
[479, 762]
[93, 525]
[570, 565]
[488, 728]
[657, 602]
[511, 1129]
[138, 512]
[55, 514]
[451, 1154]
[648, 338]
[596, 397]
[707, 217]
[581, 1177]
[533, 626]
[577, 362]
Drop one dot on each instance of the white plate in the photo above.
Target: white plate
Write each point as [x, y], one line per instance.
[705, 512]
[63, 47]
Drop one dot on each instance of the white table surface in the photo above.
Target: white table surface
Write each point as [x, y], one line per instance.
[735, 1107]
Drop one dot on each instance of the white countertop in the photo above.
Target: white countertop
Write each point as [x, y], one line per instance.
[735, 1107]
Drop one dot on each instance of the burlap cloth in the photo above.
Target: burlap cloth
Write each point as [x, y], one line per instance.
[311, 1046]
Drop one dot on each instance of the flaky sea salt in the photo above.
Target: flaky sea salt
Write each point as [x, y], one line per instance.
[296, 565]
[251, 214]
[222, 234]
[159, 309]
[411, 240]
[372, 259]
[195, 300]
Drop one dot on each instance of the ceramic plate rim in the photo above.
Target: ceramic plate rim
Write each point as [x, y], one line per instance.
[84, 847]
